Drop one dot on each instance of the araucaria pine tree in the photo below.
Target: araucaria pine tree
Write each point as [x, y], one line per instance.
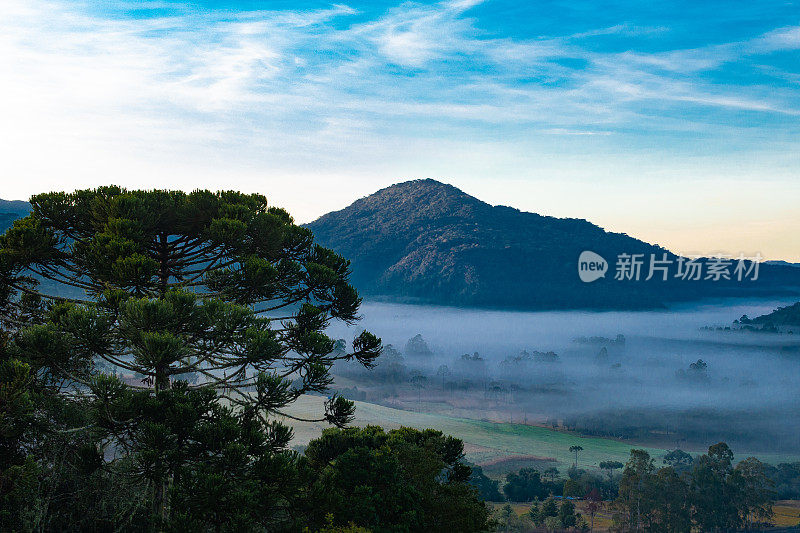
[163, 293]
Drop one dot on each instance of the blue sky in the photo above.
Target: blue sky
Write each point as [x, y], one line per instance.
[676, 122]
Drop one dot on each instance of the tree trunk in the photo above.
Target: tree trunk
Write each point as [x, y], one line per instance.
[161, 382]
[161, 495]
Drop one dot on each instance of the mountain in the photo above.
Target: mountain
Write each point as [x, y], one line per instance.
[10, 210]
[426, 241]
[429, 242]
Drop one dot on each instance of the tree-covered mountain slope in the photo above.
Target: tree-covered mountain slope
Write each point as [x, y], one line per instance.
[427, 241]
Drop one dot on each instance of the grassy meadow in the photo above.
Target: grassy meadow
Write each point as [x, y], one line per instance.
[500, 447]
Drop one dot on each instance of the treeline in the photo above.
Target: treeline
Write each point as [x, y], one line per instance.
[714, 495]
[707, 493]
[782, 316]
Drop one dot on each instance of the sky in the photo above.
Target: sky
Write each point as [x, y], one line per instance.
[676, 122]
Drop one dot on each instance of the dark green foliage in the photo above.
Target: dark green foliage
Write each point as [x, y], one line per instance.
[526, 485]
[487, 488]
[18, 470]
[754, 492]
[636, 498]
[51, 469]
[566, 513]
[611, 487]
[169, 283]
[786, 477]
[534, 512]
[539, 512]
[671, 511]
[548, 509]
[678, 459]
[229, 470]
[403, 480]
[713, 496]
[202, 298]
[651, 500]
[583, 482]
[571, 489]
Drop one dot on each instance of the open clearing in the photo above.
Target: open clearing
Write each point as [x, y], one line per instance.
[514, 445]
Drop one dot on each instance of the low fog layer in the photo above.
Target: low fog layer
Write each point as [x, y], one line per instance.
[650, 376]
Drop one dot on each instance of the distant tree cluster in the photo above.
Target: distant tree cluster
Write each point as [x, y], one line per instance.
[786, 477]
[417, 346]
[706, 493]
[488, 489]
[782, 316]
[550, 514]
[697, 372]
[527, 485]
[530, 484]
[714, 495]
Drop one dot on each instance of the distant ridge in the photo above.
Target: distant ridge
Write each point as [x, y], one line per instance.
[10, 210]
[428, 241]
[782, 316]
[783, 263]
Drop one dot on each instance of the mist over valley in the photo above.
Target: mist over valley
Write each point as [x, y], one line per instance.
[629, 375]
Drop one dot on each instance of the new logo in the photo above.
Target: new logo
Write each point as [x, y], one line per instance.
[591, 266]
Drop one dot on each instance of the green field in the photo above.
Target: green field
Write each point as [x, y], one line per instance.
[487, 441]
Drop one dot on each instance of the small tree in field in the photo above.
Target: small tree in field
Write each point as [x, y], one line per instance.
[609, 467]
[216, 289]
[443, 372]
[418, 381]
[576, 449]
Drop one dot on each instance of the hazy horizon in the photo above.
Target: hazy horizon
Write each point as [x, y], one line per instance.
[696, 251]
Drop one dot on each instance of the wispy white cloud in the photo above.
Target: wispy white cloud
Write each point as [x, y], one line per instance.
[413, 35]
[780, 39]
[620, 29]
[565, 131]
[342, 91]
[268, 64]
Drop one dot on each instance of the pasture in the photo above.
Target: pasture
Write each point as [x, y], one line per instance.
[501, 447]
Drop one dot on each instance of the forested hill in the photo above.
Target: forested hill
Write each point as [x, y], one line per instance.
[427, 241]
[10, 210]
[430, 242]
[782, 316]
